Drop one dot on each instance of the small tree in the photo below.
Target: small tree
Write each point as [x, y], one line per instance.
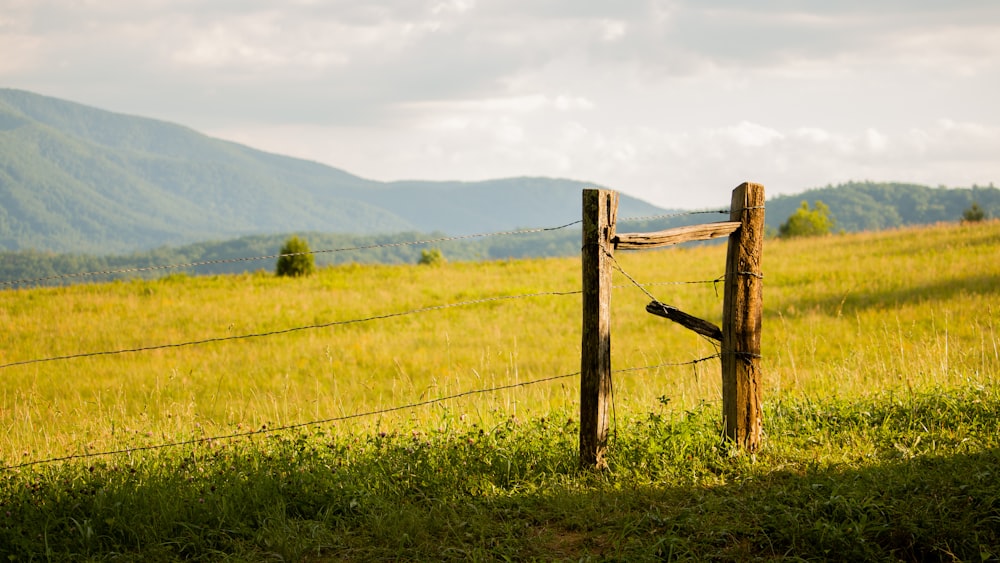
[806, 222]
[432, 257]
[295, 259]
[973, 214]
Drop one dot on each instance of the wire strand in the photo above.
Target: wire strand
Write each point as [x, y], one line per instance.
[275, 256]
[337, 323]
[630, 278]
[286, 330]
[285, 428]
[30, 281]
[671, 215]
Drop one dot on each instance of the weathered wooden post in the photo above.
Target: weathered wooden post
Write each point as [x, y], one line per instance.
[600, 209]
[739, 335]
[741, 320]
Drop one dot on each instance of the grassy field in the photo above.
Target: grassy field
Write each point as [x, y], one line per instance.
[881, 362]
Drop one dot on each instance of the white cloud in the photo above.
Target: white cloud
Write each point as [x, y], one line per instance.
[748, 134]
[457, 6]
[953, 141]
[613, 29]
[514, 104]
[674, 100]
[28, 51]
[694, 168]
[875, 142]
[572, 103]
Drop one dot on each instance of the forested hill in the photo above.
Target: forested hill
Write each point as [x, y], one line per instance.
[855, 206]
[870, 206]
[78, 179]
[82, 189]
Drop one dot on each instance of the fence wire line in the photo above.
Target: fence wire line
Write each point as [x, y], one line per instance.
[333, 323]
[693, 282]
[337, 323]
[288, 330]
[672, 215]
[29, 281]
[275, 256]
[642, 287]
[265, 430]
[716, 345]
[626, 274]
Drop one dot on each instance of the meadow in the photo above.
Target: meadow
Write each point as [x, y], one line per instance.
[880, 355]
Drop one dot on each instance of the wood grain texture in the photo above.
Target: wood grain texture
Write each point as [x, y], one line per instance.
[600, 209]
[741, 320]
[644, 241]
[689, 322]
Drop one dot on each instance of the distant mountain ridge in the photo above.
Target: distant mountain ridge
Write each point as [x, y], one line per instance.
[79, 179]
[872, 206]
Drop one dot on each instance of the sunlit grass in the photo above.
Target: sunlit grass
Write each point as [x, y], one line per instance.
[844, 316]
[890, 477]
[881, 441]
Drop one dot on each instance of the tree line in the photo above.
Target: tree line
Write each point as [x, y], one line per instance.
[849, 207]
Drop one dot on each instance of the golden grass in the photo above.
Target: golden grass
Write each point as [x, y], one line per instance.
[847, 315]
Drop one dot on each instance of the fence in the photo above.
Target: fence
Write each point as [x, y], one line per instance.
[739, 336]
[594, 374]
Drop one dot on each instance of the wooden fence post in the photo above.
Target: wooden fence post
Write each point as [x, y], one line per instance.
[741, 320]
[600, 209]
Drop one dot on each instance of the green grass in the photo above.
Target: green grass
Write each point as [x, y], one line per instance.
[887, 478]
[881, 363]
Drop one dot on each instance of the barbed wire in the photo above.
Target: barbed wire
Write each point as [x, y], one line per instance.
[286, 330]
[265, 430]
[276, 256]
[670, 364]
[671, 215]
[652, 297]
[719, 351]
[285, 428]
[327, 325]
[626, 274]
[195, 264]
[693, 282]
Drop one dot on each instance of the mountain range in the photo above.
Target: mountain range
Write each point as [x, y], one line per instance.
[85, 181]
[79, 179]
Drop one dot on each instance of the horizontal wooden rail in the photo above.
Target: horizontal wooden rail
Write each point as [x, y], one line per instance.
[738, 339]
[645, 241]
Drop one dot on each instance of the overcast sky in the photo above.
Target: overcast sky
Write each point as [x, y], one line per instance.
[675, 102]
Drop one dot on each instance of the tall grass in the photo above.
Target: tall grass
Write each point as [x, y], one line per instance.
[888, 478]
[844, 316]
[880, 359]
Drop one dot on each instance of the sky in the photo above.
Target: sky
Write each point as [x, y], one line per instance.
[674, 102]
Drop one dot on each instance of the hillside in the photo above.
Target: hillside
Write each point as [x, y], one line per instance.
[374, 413]
[82, 189]
[871, 206]
[868, 207]
[79, 179]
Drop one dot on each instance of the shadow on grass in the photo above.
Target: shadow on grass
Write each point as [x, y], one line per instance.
[922, 509]
[861, 299]
[514, 492]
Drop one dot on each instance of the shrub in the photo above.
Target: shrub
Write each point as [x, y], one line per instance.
[432, 257]
[295, 259]
[806, 222]
[973, 214]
